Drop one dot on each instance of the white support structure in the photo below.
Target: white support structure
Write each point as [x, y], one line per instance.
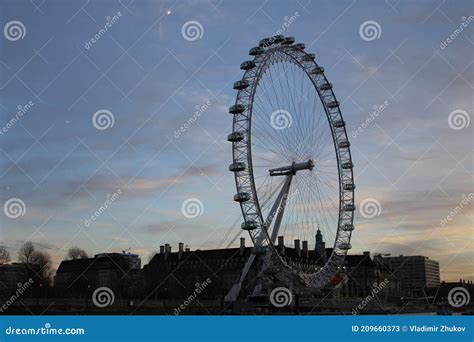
[277, 210]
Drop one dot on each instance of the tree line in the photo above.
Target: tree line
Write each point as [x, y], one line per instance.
[39, 261]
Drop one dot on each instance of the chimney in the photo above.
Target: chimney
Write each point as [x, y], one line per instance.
[297, 247]
[242, 246]
[281, 244]
[162, 249]
[187, 249]
[180, 250]
[305, 249]
[167, 250]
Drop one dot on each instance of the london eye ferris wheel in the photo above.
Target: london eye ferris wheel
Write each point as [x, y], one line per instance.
[291, 157]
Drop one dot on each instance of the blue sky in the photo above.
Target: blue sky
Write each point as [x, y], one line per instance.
[151, 79]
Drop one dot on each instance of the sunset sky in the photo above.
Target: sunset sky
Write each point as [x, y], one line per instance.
[412, 157]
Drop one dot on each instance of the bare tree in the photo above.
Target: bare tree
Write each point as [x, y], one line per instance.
[26, 252]
[4, 255]
[75, 253]
[41, 263]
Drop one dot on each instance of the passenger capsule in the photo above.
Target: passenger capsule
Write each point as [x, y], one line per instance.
[326, 86]
[309, 57]
[347, 165]
[265, 42]
[249, 225]
[278, 38]
[288, 41]
[255, 51]
[300, 46]
[242, 84]
[236, 167]
[318, 70]
[345, 245]
[247, 65]
[344, 144]
[235, 137]
[333, 104]
[339, 123]
[349, 207]
[349, 186]
[242, 197]
[236, 109]
[348, 227]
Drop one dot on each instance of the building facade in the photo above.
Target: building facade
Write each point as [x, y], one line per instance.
[117, 271]
[417, 274]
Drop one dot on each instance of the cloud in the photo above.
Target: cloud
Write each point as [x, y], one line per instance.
[136, 187]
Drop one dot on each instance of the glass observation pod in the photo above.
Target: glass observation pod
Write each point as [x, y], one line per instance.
[235, 137]
[236, 167]
[277, 39]
[236, 109]
[326, 86]
[339, 123]
[349, 186]
[247, 65]
[333, 104]
[288, 41]
[347, 165]
[318, 70]
[344, 144]
[249, 225]
[349, 207]
[242, 84]
[300, 46]
[309, 57]
[348, 227]
[266, 42]
[255, 51]
[345, 245]
[242, 197]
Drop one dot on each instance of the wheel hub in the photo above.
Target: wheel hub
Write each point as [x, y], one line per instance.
[291, 169]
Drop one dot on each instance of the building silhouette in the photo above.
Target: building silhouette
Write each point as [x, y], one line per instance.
[118, 271]
[172, 276]
[417, 274]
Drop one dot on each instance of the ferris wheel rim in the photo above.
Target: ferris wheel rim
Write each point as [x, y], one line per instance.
[242, 153]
